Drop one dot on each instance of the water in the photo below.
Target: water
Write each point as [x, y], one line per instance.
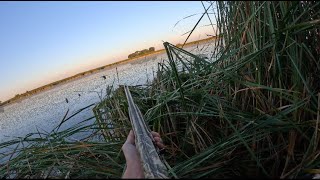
[46, 109]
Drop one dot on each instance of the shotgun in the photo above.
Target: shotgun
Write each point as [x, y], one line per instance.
[149, 153]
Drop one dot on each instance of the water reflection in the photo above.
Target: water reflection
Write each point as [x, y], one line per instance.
[45, 110]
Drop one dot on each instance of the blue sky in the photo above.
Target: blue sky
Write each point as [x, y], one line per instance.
[41, 42]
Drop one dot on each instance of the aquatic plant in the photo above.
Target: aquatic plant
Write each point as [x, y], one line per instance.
[251, 109]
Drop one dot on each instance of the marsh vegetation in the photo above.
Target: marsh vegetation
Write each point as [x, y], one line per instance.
[251, 109]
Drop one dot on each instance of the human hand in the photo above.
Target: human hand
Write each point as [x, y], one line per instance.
[134, 168]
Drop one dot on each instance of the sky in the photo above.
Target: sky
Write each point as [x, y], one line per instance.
[42, 42]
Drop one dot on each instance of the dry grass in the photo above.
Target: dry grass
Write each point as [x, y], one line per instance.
[252, 109]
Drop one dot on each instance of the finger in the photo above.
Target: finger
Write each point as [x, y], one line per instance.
[158, 139]
[155, 134]
[160, 145]
[159, 142]
[130, 138]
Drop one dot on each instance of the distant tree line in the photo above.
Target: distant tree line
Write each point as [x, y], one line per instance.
[142, 52]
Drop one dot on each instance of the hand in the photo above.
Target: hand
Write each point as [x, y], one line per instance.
[134, 168]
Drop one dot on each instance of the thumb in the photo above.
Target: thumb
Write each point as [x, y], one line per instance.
[130, 138]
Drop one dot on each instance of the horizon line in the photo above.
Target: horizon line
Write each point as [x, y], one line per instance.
[84, 73]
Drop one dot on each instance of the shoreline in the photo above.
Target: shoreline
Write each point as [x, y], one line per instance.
[20, 97]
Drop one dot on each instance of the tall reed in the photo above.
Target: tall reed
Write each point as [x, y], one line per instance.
[251, 109]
